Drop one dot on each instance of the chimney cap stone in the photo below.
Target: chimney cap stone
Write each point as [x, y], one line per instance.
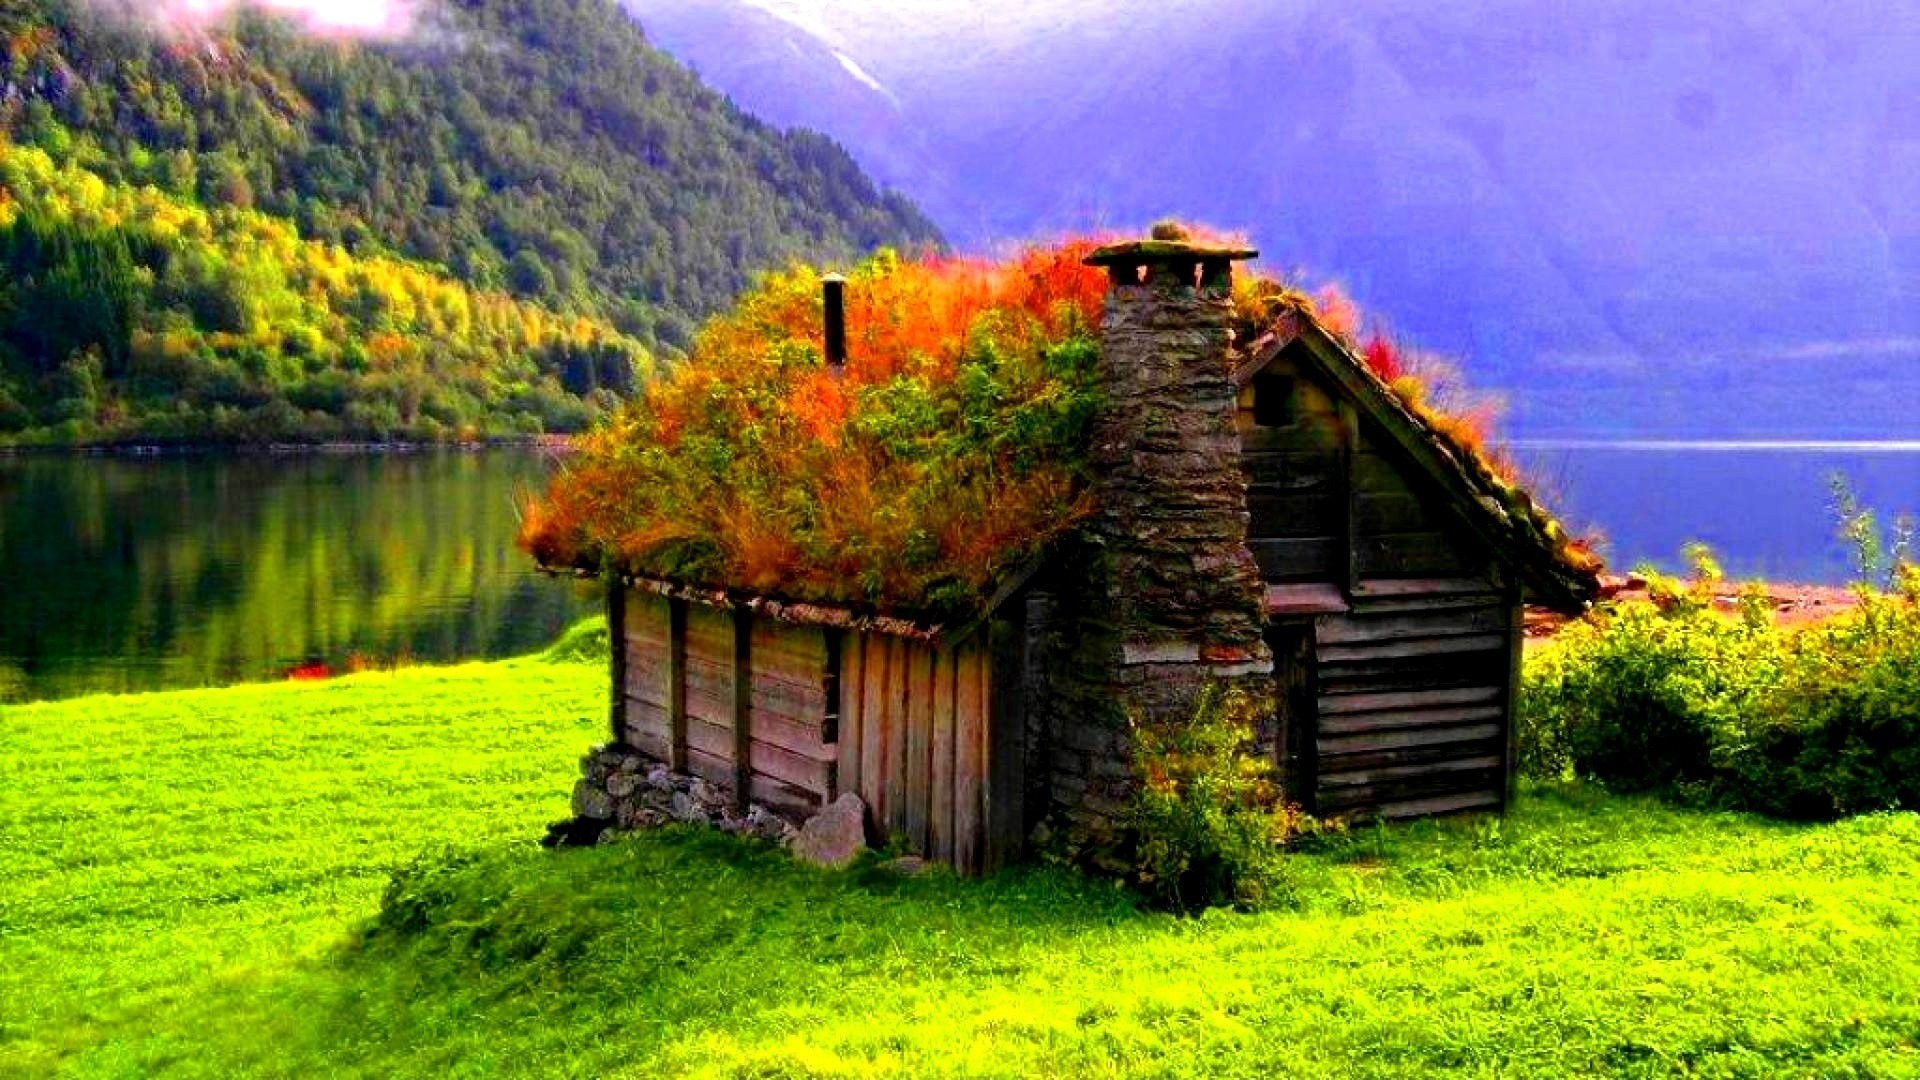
[1155, 252]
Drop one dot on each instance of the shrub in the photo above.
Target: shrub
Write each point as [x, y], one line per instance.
[1841, 733]
[1209, 823]
[1639, 695]
[945, 453]
[1670, 695]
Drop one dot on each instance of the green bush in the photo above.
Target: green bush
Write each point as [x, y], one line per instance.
[1674, 696]
[1840, 734]
[1209, 823]
[1640, 695]
[585, 642]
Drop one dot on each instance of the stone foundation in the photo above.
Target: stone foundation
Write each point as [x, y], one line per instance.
[621, 790]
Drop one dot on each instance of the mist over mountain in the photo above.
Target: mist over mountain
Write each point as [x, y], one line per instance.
[1637, 219]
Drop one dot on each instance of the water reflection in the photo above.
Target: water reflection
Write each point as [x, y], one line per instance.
[123, 574]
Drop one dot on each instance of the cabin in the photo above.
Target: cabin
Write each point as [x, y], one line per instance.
[1268, 514]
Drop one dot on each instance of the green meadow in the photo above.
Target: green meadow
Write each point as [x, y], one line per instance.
[342, 879]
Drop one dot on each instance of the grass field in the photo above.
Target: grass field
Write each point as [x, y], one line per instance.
[192, 883]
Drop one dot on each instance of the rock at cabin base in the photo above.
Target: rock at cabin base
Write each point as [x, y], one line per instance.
[834, 837]
[905, 866]
[622, 785]
[589, 801]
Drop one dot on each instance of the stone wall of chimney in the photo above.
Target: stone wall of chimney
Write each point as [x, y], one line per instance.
[1161, 594]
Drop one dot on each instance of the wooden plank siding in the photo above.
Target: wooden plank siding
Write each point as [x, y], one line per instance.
[924, 752]
[1394, 642]
[642, 673]
[1412, 710]
[785, 716]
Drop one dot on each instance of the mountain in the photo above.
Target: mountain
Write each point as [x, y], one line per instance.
[535, 159]
[1635, 219]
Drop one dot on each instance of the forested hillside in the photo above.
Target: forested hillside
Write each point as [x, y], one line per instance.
[255, 229]
[129, 314]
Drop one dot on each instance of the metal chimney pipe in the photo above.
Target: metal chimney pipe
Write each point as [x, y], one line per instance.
[834, 288]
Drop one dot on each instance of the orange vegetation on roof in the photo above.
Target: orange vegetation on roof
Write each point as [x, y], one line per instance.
[945, 454]
[950, 451]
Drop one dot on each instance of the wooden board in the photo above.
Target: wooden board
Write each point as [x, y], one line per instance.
[649, 742]
[1340, 704]
[801, 706]
[1483, 763]
[1445, 672]
[1377, 628]
[941, 788]
[1416, 554]
[1277, 473]
[785, 798]
[1385, 589]
[1473, 643]
[791, 736]
[677, 684]
[1308, 598]
[894, 720]
[919, 763]
[1288, 514]
[1295, 708]
[1298, 559]
[709, 671]
[1004, 740]
[878, 678]
[1309, 434]
[1330, 747]
[1480, 787]
[714, 740]
[809, 774]
[1401, 756]
[788, 650]
[1393, 512]
[1361, 723]
[969, 755]
[714, 770]
[853, 686]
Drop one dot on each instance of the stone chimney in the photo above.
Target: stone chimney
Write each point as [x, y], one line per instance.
[1167, 597]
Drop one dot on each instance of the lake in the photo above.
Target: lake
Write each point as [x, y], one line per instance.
[126, 574]
[1764, 507]
[137, 573]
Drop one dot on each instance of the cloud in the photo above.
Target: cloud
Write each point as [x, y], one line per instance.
[383, 20]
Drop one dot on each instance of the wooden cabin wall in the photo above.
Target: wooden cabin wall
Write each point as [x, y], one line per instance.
[1410, 639]
[1413, 695]
[1291, 443]
[790, 716]
[917, 741]
[737, 701]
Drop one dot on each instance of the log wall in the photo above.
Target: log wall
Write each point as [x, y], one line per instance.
[1411, 688]
[1395, 645]
[790, 716]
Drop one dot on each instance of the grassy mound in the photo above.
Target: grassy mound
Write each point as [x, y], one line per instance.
[198, 883]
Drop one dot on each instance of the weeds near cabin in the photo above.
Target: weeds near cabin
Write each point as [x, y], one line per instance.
[1210, 823]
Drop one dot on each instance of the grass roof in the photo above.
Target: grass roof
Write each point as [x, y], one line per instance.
[949, 453]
